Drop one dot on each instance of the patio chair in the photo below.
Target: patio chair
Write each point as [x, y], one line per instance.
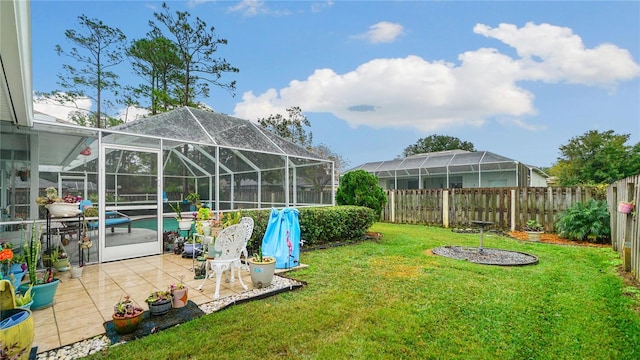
[247, 223]
[112, 218]
[228, 246]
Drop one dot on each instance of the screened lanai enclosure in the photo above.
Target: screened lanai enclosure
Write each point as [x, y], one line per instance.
[454, 169]
[131, 172]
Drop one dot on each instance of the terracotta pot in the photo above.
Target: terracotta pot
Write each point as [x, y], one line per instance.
[126, 325]
[180, 297]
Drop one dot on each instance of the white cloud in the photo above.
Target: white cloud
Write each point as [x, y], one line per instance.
[255, 8]
[382, 32]
[319, 6]
[555, 54]
[412, 92]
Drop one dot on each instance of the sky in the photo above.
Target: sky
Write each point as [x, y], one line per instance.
[516, 78]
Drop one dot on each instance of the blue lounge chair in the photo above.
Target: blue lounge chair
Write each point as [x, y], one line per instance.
[113, 218]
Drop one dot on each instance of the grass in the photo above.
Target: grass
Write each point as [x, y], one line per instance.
[392, 299]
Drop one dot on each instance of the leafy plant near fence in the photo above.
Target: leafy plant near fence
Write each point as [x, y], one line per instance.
[588, 221]
[319, 225]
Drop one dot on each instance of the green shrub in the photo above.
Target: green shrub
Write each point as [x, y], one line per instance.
[318, 225]
[585, 222]
[361, 189]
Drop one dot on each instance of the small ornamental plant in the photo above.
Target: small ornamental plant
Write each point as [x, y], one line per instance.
[51, 196]
[260, 259]
[177, 286]
[533, 225]
[126, 308]
[158, 296]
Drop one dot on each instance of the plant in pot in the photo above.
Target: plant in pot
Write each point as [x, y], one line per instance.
[203, 221]
[6, 258]
[192, 247]
[183, 224]
[180, 293]
[126, 316]
[60, 259]
[195, 200]
[44, 289]
[24, 301]
[262, 269]
[69, 205]
[159, 302]
[534, 229]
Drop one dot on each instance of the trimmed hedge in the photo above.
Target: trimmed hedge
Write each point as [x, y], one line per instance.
[318, 225]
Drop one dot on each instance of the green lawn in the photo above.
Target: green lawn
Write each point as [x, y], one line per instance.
[392, 299]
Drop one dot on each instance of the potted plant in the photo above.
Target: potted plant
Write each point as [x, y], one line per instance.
[159, 302]
[192, 247]
[203, 221]
[126, 316]
[24, 301]
[534, 229]
[6, 258]
[44, 289]
[625, 207]
[17, 327]
[180, 293]
[195, 200]
[262, 269]
[60, 259]
[183, 224]
[66, 206]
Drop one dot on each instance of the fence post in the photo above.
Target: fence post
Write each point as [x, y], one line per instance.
[445, 208]
[512, 209]
[392, 206]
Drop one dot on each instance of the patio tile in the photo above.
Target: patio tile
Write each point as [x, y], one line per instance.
[46, 342]
[94, 294]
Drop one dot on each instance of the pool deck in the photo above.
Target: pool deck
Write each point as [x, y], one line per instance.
[83, 305]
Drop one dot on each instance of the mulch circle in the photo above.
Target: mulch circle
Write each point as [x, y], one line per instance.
[487, 256]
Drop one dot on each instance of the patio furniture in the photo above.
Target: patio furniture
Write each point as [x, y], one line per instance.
[228, 247]
[247, 223]
[112, 218]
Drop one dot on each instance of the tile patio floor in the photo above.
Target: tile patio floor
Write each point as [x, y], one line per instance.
[82, 305]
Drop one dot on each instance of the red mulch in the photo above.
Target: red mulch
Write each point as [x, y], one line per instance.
[554, 239]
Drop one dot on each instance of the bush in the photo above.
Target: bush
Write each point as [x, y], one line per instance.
[318, 225]
[585, 222]
[361, 189]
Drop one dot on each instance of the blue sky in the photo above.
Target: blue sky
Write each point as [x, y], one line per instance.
[519, 79]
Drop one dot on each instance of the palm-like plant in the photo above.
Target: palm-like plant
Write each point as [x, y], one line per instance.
[585, 221]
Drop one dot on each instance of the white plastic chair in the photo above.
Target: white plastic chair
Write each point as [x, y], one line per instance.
[228, 245]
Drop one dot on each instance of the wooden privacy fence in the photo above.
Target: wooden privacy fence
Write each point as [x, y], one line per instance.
[507, 208]
[625, 235]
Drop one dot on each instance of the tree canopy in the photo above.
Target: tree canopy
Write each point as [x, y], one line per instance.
[292, 128]
[195, 45]
[361, 188]
[434, 143]
[596, 158]
[98, 48]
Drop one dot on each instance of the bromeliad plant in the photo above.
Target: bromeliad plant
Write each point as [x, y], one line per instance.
[126, 308]
[158, 296]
